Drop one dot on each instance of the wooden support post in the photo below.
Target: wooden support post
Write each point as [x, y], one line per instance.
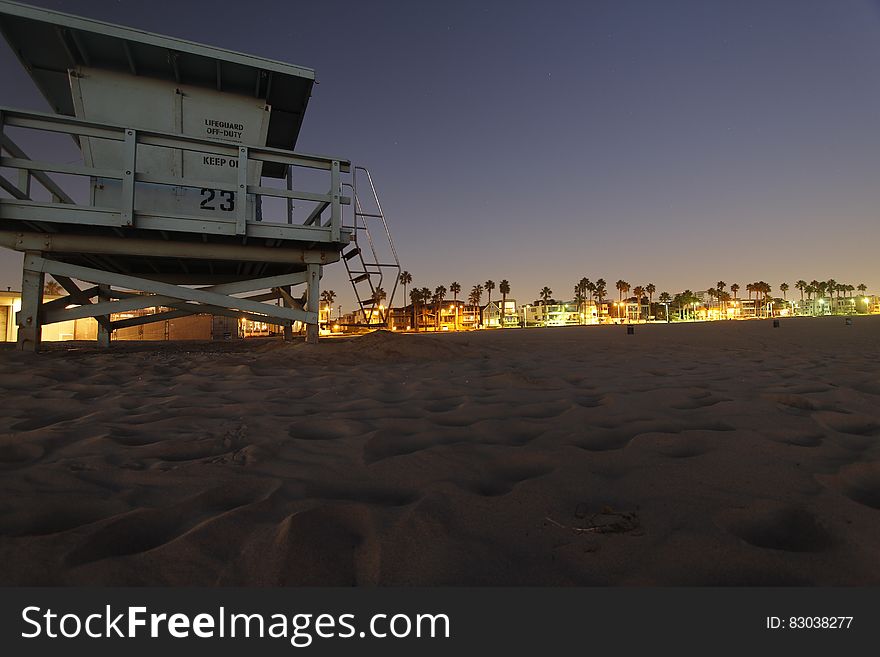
[28, 319]
[336, 205]
[103, 333]
[241, 197]
[130, 156]
[313, 293]
[288, 328]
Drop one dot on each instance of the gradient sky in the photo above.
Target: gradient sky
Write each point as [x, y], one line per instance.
[673, 142]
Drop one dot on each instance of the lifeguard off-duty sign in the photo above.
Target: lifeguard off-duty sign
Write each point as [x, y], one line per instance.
[106, 96]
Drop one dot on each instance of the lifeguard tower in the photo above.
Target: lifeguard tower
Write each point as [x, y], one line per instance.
[191, 181]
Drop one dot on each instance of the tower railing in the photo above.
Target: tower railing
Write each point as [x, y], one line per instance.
[232, 215]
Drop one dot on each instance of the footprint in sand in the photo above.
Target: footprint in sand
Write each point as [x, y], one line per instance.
[850, 423]
[860, 482]
[775, 525]
[502, 483]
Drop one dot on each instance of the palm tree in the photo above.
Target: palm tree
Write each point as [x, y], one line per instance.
[455, 288]
[801, 285]
[477, 293]
[684, 300]
[734, 288]
[583, 287]
[783, 287]
[719, 286]
[818, 287]
[862, 288]
[579, 298]
[622, 288]
[545, 295]
[821, 288]
[328, 297]
[425, 295]
[475, 298]
[831, 288]
[439, 297]
[639, 291]
[691, 299]
[405, 279]
[489, 285]
[650, 288]
[52, 289]
[415, 296]
[601, 291]
[504, 288]
[765, 289]
[581, 290]
[665, 299]
[810, 290]
[592, 287]
[378, 297]
[712, 293]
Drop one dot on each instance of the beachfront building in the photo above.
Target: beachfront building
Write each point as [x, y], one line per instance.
[494, 316]
[550, 314]
[850, 305]
[451, 315]
[628, 311]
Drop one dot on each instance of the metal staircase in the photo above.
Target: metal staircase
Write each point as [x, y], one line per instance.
[371, 261]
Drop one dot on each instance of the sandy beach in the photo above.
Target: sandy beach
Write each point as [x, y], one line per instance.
[725, 453]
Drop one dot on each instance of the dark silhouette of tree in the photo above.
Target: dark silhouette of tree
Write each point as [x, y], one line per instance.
[504, 288]
[425, 296]
[650, 288]
[475, 296]
[405, 279]
[489, 285]
[439, 298]
[546, 294]
[328, 297]
[639, 292]
[580, 299]
[415, 297]
[455, 288]
[601, 291]
[665, 299]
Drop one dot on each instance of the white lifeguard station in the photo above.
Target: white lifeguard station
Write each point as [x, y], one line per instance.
[179, 142]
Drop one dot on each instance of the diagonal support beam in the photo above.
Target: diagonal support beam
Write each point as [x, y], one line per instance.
[77, 296]
[80, 299]
[289, 300]
[315, 214]
[130, 301]
[216, 296]
[184, 310]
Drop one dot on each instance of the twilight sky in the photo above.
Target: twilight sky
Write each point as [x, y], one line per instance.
[675, 142]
